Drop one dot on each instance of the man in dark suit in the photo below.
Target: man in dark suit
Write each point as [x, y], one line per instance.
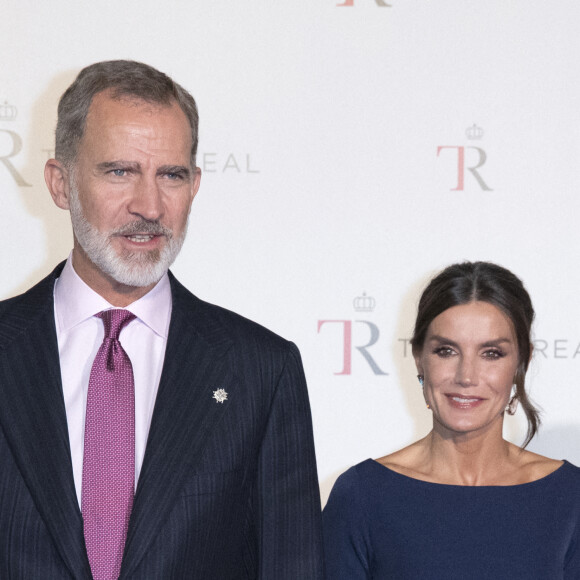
[217, 437]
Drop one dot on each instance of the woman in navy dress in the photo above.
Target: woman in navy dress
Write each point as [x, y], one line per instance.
[462, 503]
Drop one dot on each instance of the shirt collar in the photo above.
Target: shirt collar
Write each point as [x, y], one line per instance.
[75, 302]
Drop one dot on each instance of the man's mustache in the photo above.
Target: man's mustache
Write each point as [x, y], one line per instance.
[143, 227]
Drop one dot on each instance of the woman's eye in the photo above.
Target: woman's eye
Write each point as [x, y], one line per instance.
[493, 354]
[444, 351]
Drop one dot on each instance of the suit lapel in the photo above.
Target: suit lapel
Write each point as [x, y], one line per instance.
[33, 417]
[185, 414]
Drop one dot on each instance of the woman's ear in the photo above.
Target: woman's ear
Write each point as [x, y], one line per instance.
[418, 362]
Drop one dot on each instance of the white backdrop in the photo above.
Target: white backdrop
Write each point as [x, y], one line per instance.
[337, 164]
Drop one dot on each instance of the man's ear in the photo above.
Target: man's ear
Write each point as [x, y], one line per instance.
[58, 182]
[195, 184]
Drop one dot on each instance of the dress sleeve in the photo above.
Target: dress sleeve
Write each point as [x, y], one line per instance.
[572, 569]
[345, 531]
[572, 561]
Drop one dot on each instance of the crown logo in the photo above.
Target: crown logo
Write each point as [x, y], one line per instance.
[364, 303]
[8, 112]
[474, 132]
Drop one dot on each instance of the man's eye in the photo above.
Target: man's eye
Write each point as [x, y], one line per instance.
[118, 172]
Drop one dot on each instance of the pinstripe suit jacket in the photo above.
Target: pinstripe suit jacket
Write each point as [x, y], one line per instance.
[227, 490]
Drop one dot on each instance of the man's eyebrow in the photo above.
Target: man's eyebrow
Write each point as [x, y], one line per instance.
[177, 169]
[118, 164]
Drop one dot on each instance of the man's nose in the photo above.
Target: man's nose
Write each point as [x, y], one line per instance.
[147, 200]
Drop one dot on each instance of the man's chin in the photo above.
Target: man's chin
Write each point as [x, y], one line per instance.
[140, 268]
[137, 277]
[140, 258]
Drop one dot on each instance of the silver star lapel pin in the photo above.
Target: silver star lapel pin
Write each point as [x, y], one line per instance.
[220, 395]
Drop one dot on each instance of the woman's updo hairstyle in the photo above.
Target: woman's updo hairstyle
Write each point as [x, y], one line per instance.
[485, 282]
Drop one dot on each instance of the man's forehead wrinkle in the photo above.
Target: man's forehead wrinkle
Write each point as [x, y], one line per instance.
[107, 119]
[145, 143]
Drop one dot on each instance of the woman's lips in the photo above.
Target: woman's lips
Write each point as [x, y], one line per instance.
[464, 401]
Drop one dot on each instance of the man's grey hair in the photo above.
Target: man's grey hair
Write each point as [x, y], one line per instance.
[123, 78]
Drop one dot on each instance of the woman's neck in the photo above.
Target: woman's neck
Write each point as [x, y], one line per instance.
[482, 458]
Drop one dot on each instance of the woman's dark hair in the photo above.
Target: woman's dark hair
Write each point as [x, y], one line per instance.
[485, 282]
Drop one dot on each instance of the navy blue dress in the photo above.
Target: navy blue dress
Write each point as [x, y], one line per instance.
[379, 524]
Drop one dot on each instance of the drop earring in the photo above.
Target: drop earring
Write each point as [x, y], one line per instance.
[512, 406]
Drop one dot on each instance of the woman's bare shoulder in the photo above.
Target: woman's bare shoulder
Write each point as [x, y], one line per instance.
[534, 466]
[408, 461]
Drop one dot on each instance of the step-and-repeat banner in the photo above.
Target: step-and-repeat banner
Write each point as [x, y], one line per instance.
[350, 149]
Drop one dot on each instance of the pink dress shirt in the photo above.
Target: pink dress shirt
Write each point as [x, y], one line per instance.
[79, 336]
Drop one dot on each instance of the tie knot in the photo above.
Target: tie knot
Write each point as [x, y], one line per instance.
[115, 320]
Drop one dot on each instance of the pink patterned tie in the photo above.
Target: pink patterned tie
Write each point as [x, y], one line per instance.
[109, 455]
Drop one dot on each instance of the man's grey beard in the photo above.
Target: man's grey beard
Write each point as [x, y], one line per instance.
[129, 268]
